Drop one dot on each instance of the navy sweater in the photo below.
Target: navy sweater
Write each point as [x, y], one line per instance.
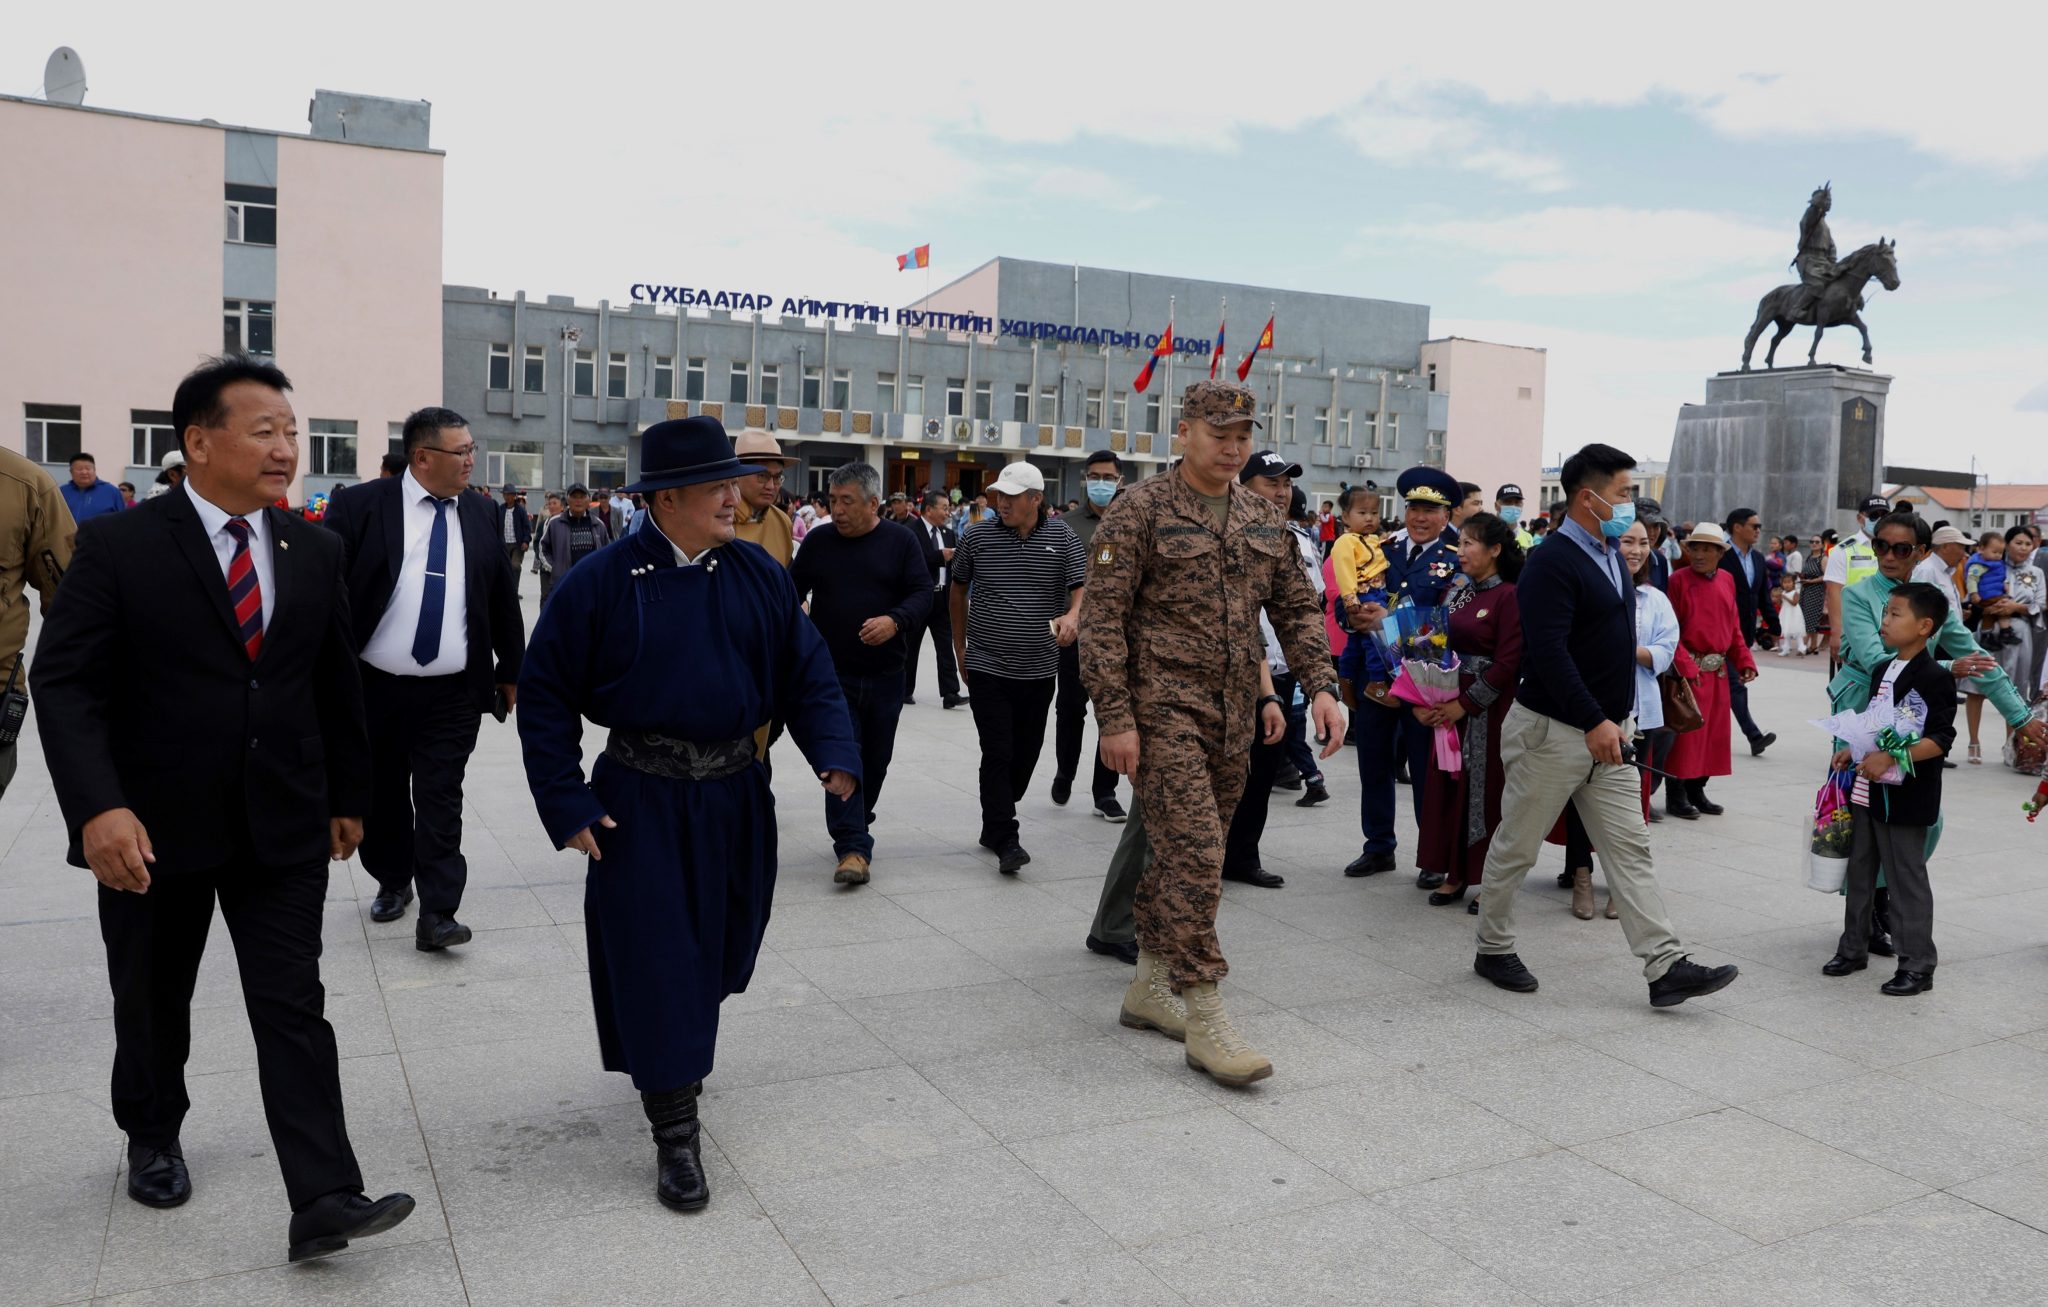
[1578, 639]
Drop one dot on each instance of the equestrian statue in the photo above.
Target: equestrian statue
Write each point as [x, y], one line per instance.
[1828, 293]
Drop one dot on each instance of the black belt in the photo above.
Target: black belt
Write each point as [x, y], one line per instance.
[679, 760]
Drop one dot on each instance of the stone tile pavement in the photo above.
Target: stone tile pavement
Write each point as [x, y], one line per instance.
[925, 1096]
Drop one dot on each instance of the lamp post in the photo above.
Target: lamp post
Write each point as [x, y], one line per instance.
[570, 337]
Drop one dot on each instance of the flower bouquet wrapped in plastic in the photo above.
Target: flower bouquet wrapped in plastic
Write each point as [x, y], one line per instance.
[1827, 848]
[1425, 670]
[1883, 727]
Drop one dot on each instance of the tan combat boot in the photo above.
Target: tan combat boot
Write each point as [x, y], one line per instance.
[1214, 1044]
[1151, 1004]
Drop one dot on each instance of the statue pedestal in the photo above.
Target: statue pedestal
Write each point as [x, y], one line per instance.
[1802, 446]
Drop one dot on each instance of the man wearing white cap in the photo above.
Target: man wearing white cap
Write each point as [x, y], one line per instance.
[1016, 602]
[1938, 569]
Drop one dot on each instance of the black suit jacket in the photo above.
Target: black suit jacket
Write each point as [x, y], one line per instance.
[522, 525]
[149, 701]
[371, 523]
[1752, 601]
[1917, 800]
[934, 555]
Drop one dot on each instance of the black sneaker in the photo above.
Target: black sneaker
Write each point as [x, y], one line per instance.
[1062, 789]
[955, 700]
[1506, 971]
[1759, 743]
[1111, 811]
[1313, 795]
[1370, 864]
[1688, 979]
[1125, 951]
[1287, 779]
[1012, 857]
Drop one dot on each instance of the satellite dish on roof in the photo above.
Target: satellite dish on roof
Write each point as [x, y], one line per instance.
[64, 77]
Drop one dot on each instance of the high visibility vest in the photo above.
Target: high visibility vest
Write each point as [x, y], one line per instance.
[1860, 560]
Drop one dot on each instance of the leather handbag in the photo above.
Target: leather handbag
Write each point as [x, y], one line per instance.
[1681, 709]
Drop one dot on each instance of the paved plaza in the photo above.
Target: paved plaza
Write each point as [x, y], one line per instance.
[925, 1094]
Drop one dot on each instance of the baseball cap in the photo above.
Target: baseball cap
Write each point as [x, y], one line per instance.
[1948, 535]
[1267, 463]
[1875, 506]
[1019, 478]
[1219, 403]
[1508, 491]
[577, 488]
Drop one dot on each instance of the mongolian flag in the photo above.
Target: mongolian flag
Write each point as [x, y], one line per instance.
[1164, 349]
[1244, 369]
[921, 257]
[1216, 358]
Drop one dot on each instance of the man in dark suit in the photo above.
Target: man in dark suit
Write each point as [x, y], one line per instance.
[515, 528]
[206, 741]
[440, 635]
[1754, 616]
[938, 542]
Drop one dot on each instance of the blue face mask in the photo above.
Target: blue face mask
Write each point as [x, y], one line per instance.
[1511, 513]
[1101, 492]
[1624, 517]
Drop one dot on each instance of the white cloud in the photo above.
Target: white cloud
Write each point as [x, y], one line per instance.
[1602, 250]
[1413, 137]
[1087, 185]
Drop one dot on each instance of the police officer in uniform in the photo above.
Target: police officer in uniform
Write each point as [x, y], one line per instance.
[1170, 652]
[1422, 564]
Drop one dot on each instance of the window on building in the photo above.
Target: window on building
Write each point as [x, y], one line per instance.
[1020, 404]
[1521, 392]
[1120, 412]
[842, 389]
[1287, 423]
[536, 379]
[1372, 430]
[771, 384]
[516, 461]
[615, 376]
[1049, 404]
[736, 384]
[1322, 426]
[1152, 415]
[1173, 417]
[913, 394]
[664, 376]
[1344, 428]
[1393, 431]
[583, 373]
[498, 372]
[152, 434]
[984, 400]
[394, 438]
[248, 326]
[693, 379]
[1431, 370]
[885, 392]
[54, 433]
[1091, 408]
[601, 467]
[813, 389]
[956, 397]
[331, 447]
[252, 214]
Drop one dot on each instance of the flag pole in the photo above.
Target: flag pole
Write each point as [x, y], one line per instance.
[1222, 330]
[1166, 396]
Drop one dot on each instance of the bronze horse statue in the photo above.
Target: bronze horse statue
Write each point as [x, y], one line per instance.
[1834, 306]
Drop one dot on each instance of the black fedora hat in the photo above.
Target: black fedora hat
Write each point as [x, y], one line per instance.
[686, 452]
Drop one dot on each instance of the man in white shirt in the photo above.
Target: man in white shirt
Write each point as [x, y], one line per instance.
[1951, 547]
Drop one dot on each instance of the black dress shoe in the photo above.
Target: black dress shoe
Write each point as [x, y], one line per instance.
[1125, 951]
[909, 702]
[1565, 878]
[157, 1176]
[1680, 807]
[1444, 898]
[1010, 858]
[1287, 779]
[1370, 864]
[1401, 773]
[1314, 794]
[1258, 876]
[954, 700]
[1880, 945]
[1906, 983]
[390, 906]
[1841, 966]
[1428, 879]
[1688, 979]
[1062, 789]
[438, 930]
[1759, 743]
[1656, 814]
[1506, 971]
[1707, 805]
[331, 1221]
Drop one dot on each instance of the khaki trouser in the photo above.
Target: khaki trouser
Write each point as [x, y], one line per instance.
[1548, 767]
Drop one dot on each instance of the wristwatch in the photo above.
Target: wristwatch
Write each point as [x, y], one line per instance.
[1260, 707]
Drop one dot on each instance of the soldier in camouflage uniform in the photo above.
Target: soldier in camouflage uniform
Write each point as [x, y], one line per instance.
[1170, 653]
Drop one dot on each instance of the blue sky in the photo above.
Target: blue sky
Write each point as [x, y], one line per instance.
[1614, 183]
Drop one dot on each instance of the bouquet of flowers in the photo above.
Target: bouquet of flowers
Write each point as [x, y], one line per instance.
[2032, 807]
[1883, 727]
[1827, 855]
[1425, 669]
[2022, 755]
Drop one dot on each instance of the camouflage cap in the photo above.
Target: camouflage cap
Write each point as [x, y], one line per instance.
[1220, 404]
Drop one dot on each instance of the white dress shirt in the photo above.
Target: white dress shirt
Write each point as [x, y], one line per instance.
[390, 648]
[215, 520]
[1936, 573]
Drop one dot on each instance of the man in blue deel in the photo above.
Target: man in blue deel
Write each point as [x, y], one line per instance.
[682, 641]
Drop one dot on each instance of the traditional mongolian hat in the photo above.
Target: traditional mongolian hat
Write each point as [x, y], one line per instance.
[686, 452]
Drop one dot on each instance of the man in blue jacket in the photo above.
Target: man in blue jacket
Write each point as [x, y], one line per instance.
[1563, 740]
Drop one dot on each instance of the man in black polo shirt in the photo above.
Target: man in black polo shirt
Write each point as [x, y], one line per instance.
[1562, 741]
[1016, 603]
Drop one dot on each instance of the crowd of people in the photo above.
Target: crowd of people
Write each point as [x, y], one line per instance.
[315, 685]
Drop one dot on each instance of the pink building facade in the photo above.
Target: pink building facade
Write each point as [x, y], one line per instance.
[1493, 433]
[152, 243]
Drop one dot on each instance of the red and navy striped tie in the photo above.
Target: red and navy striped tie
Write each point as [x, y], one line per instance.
[244, 593]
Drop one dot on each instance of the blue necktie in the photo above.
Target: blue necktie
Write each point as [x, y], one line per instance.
[426, 640]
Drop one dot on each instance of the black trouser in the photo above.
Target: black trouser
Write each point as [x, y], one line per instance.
[1660, 741]
[1248, 823]
[1070, 715]
[154, 942]
[940, 624]
[1009, 716]
[422, 731]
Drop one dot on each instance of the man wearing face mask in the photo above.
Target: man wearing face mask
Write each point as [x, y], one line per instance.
[1507, 505]
[1562, 741]
[1102, 477]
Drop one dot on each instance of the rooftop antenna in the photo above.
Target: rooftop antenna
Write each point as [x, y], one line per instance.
[64, 77]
